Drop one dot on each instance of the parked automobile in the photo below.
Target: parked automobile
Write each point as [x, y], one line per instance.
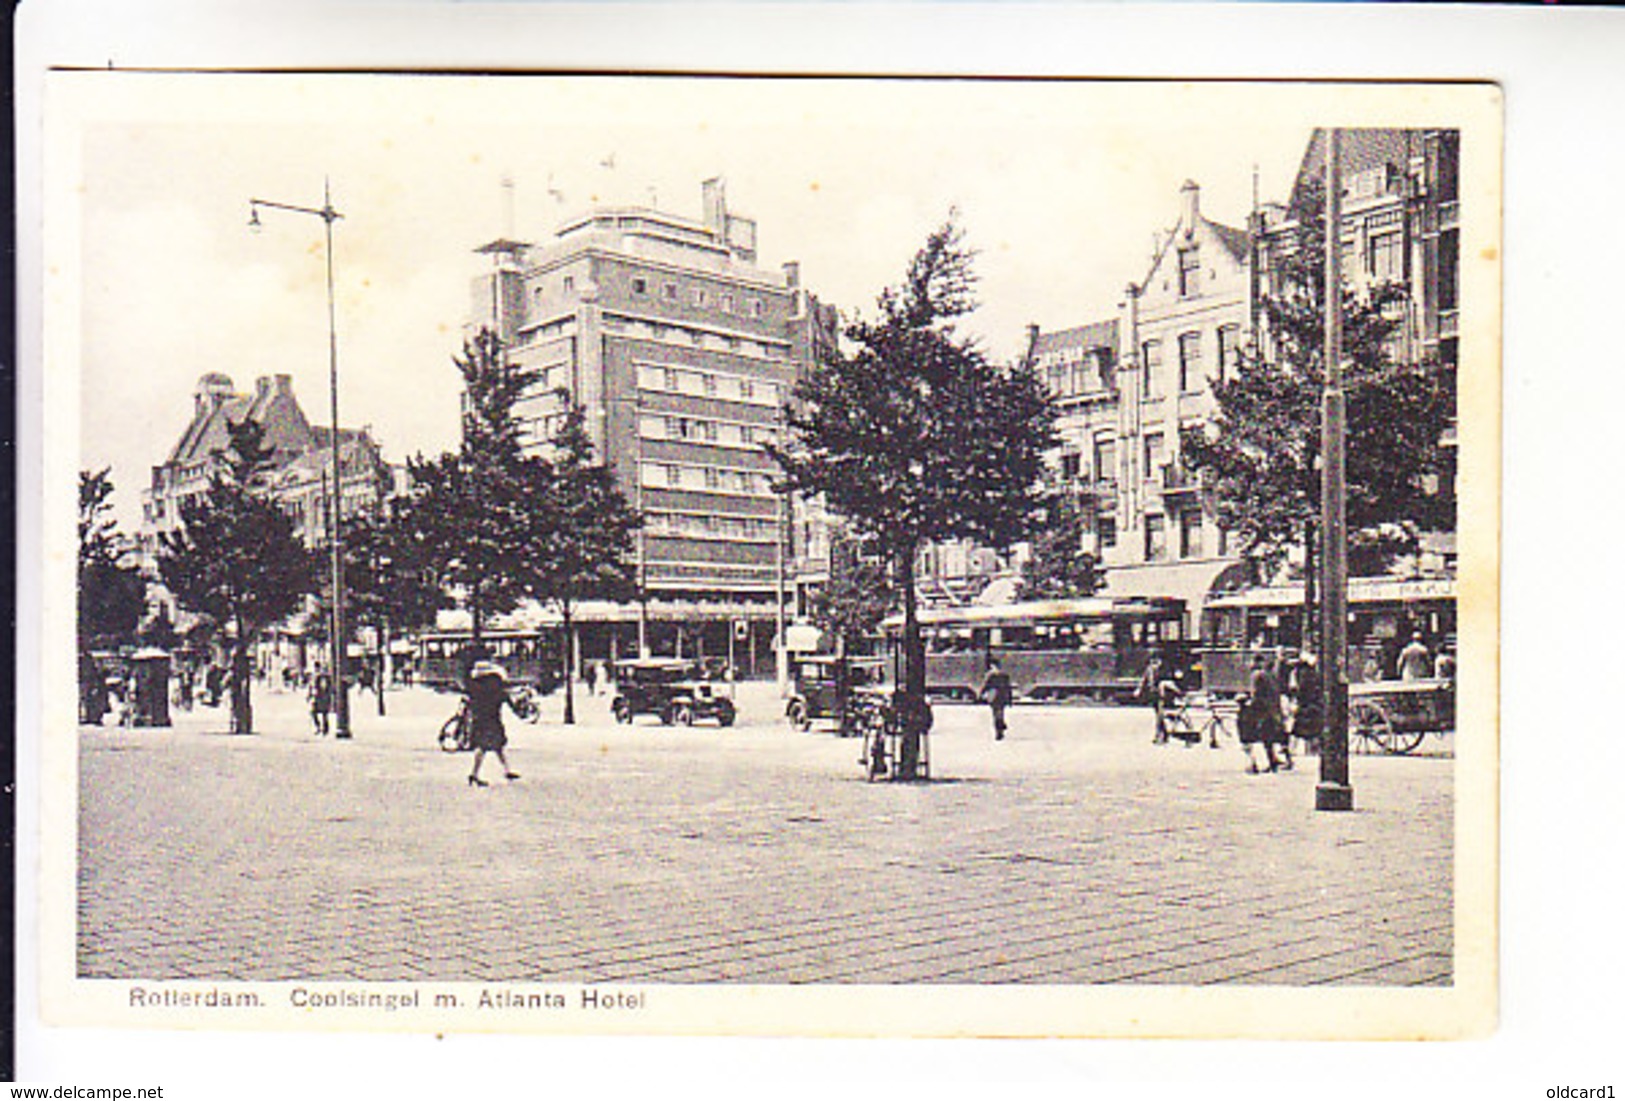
[672, 689]
[818, 686]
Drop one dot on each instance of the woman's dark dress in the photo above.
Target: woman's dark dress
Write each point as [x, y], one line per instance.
[486, 696]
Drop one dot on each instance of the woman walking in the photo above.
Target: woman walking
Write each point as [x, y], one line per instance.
[487, 692]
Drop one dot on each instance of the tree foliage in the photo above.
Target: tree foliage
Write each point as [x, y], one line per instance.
[587, 529]
[389, 583]
[1059, 567]
[915, 435]
[236, 559]
[473, 510]
[112, 593]
[858, 596]
[1260, 452]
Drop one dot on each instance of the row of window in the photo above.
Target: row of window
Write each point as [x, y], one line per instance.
[724, 302]
[691, 381]
[1189, 531]
[705, 430]
[693, 338]
[750, 529]
[707, 479]
[1192, 374]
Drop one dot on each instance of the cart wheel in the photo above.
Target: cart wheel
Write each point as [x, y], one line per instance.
[1371, 723]
[1397, 742]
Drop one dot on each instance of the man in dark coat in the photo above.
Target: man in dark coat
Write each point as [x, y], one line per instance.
[996, 691]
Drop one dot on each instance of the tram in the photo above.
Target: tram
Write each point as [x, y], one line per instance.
[529, 657]
[1092, 648]
[1384, 613]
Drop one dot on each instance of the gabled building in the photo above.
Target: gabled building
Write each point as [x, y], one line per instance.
[301, 459]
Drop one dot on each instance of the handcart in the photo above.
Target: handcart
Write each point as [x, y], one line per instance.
[1395, 716]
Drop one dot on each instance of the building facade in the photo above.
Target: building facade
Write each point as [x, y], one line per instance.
[1127, 386]
[301, 460]
[682, 352]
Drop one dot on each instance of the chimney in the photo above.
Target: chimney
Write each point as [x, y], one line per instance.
[284, 384]
[1191, 201]
[262, 386]
[792, 273]
[715, 201]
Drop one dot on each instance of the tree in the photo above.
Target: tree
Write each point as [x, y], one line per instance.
[851, 606]
[388, 581]
[1059, 567]
[473, 509]
[236, 558]
[858, 596]
[585, 530]
[916, 436]
[112, 593]
[1259, 454]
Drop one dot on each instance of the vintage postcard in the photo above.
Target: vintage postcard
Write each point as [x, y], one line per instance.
[800, 556]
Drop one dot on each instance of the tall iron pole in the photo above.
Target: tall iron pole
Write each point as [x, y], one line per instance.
[328, 216]
[1333, 792]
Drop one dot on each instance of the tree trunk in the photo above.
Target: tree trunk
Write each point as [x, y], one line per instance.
[383, 647]
[242, 704]
[908, 753]
[569, 654]
[913, 644]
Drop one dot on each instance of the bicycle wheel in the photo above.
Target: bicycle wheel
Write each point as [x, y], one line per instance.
[451, 734]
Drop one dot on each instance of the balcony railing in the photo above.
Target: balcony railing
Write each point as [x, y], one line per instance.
[1175, 479]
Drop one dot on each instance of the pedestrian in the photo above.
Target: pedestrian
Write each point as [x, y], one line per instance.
[1150, 683]
[1415, 663]
[487, 693]
[1444, 666]
[1259, 720]
[589, 674]
[94, 695]
[996, 692]
[1303, 687]
[321, 700]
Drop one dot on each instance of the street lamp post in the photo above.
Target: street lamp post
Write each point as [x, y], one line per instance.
[336, 537]
[1333, 792]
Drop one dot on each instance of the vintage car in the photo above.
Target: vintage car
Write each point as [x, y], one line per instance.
[817, 688]
[672, 689]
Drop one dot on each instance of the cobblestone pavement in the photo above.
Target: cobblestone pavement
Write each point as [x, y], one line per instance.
[1074, 852]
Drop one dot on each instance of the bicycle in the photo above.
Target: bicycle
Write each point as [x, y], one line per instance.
[457, 732]
[1197, 717]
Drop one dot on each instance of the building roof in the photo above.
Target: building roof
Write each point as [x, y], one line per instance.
[1097, 334]
[1238, 242]
[272, 404]
[1360, 150]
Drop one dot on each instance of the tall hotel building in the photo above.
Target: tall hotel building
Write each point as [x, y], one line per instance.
[682, 353]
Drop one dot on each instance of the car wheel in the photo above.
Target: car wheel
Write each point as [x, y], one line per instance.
[725, 715]
[623, 711]
[684, 714]
[668, 715]
[798, 716]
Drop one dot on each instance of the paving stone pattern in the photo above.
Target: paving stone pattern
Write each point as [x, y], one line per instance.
[1074, 852]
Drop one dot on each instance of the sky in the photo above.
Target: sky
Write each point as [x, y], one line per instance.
[1061, 188]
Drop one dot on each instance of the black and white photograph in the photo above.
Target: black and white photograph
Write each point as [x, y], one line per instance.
[651, 553]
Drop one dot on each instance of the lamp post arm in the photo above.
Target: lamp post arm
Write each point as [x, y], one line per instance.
[326, 213]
